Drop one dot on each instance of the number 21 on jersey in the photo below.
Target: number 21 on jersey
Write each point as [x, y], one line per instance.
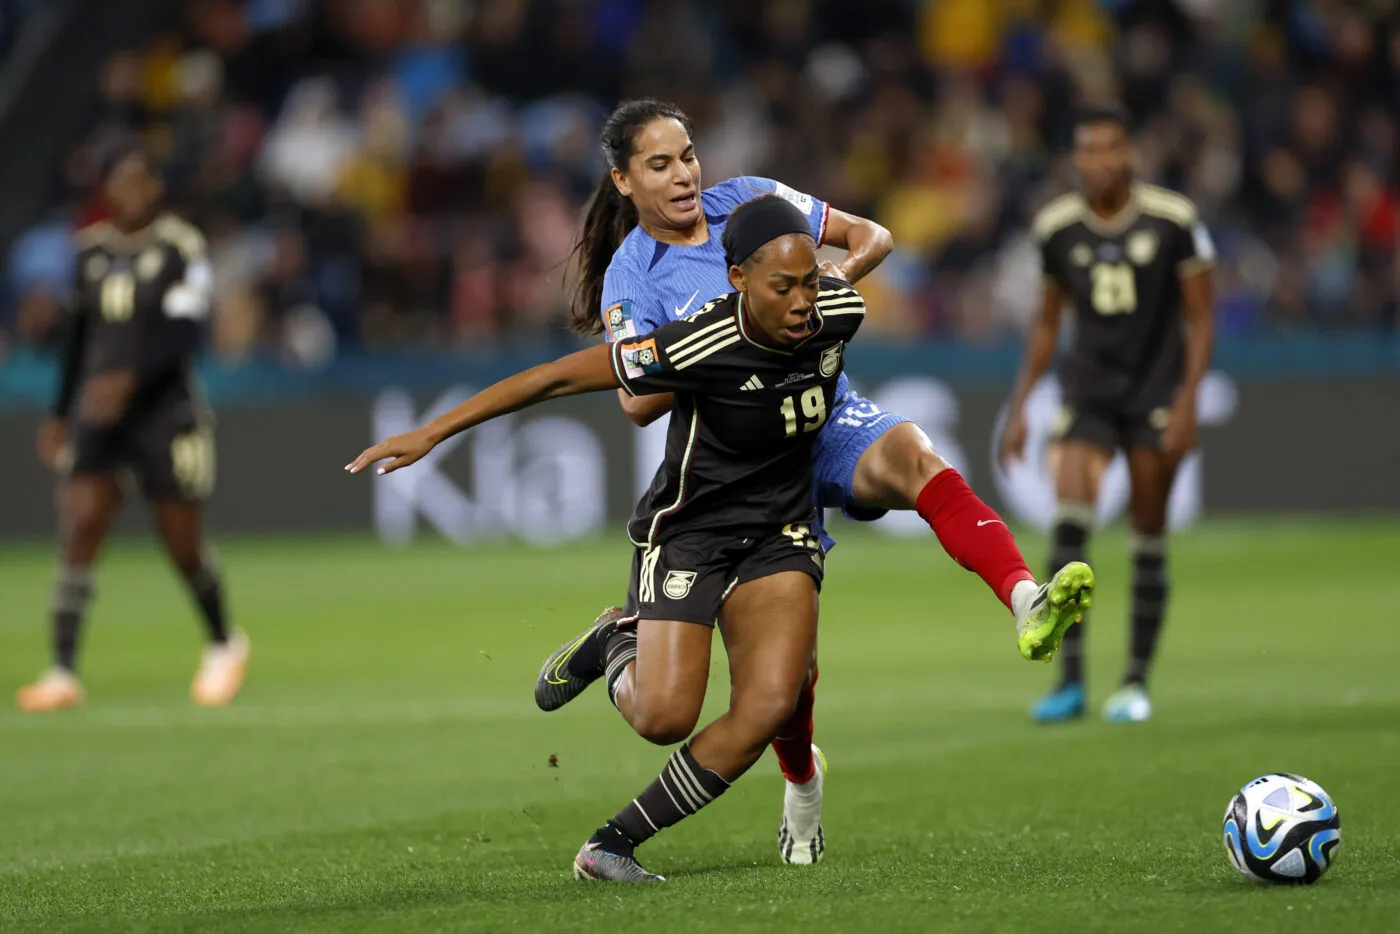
[1114, 288]
[813, 411]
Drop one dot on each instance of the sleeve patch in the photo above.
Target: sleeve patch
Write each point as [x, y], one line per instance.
[617, 319]
[802, 201]
[640, 359]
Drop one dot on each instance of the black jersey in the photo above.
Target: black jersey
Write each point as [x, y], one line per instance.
[1124, 277]
[739, 448]
[139, 301]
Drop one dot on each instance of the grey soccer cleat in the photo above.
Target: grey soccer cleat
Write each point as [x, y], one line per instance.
[593, 862]
[557, 685]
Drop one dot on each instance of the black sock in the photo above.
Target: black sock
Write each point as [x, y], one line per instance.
[621, 650]
[589, 658]
[71, 595]
[1150, 590]
[683, 788]
[1070, 539]
[207, 587]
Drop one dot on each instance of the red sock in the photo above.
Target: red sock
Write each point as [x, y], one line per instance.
[972, 534]
[793, 743]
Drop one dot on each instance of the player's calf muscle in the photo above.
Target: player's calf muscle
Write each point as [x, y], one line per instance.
[896, 468]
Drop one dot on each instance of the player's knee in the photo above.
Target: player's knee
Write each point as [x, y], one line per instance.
[661, 717]
[664, 727]
[927, 465]
[765, 709]
[915, 460]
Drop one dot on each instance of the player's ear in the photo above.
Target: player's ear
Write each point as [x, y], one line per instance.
[736, 278]
[624, 187]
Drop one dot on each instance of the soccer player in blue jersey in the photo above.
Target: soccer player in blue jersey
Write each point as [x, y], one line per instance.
[651, 252]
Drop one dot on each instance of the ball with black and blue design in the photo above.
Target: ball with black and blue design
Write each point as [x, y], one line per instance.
[1282, 828]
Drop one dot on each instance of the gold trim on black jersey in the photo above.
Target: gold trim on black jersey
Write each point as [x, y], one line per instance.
[1168, 205]
[166, 228]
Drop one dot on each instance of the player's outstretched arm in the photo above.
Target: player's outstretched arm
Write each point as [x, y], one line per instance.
[586, 371]
[1040, 350]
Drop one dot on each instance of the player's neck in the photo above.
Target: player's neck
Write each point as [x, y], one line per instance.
[1112, 204]
[690, 236]
[136, 228]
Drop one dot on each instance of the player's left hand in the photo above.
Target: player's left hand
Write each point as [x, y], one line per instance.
[400, 450]
[1179, 437]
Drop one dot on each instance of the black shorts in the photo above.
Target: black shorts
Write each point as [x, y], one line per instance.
[688, 577]
[1110, 428]
[168, 450]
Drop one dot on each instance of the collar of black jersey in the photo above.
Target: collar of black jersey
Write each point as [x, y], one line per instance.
[816, 318]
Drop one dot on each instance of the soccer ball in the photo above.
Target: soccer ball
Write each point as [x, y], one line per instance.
[1282, 828]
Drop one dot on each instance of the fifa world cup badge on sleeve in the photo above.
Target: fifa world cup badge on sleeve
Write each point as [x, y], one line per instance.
[641, 359]
[618, 320]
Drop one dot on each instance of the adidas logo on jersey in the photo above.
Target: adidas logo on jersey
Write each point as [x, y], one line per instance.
[753, 383]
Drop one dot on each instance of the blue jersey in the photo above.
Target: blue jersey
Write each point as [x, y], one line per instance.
[650, 284]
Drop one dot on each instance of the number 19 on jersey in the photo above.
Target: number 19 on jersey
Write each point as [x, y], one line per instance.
[813, 411]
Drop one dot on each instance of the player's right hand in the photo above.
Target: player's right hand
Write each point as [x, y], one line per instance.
[400, 451]
[53, 438]
[1013, 438]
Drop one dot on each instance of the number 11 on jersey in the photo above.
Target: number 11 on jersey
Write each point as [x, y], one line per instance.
[813, 408]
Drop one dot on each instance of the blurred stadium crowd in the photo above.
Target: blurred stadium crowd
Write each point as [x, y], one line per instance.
[408, 173]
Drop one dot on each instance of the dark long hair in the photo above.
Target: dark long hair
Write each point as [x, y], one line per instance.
[610, 217]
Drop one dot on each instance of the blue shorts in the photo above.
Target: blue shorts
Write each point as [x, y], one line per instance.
[853, 427]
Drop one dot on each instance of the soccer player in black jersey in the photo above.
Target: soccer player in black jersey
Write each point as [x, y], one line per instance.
[1134, 260]
[127, 405]
[725, 532]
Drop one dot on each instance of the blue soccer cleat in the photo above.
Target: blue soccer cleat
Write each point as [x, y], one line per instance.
[1066, 702]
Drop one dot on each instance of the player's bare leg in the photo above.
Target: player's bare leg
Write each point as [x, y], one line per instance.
[1078, 468]
[86, 507]
[661, 691]
[894, 470]
[666, 707]
[1152, 473]
[769, 627]
[225, 659]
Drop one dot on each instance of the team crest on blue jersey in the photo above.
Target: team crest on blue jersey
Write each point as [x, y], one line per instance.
[641, 359]
[618, 320]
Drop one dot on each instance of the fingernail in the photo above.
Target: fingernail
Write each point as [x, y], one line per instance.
[380, 471]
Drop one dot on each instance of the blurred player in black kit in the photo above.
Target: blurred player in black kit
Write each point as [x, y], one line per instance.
[128, 405]
[1134, 260]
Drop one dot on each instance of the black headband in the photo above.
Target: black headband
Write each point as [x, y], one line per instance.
[759, 221]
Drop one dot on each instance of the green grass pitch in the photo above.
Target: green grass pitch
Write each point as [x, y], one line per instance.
[386, 770]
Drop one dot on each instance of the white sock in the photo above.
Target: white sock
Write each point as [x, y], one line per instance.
[1021, 596]
[810, 786]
